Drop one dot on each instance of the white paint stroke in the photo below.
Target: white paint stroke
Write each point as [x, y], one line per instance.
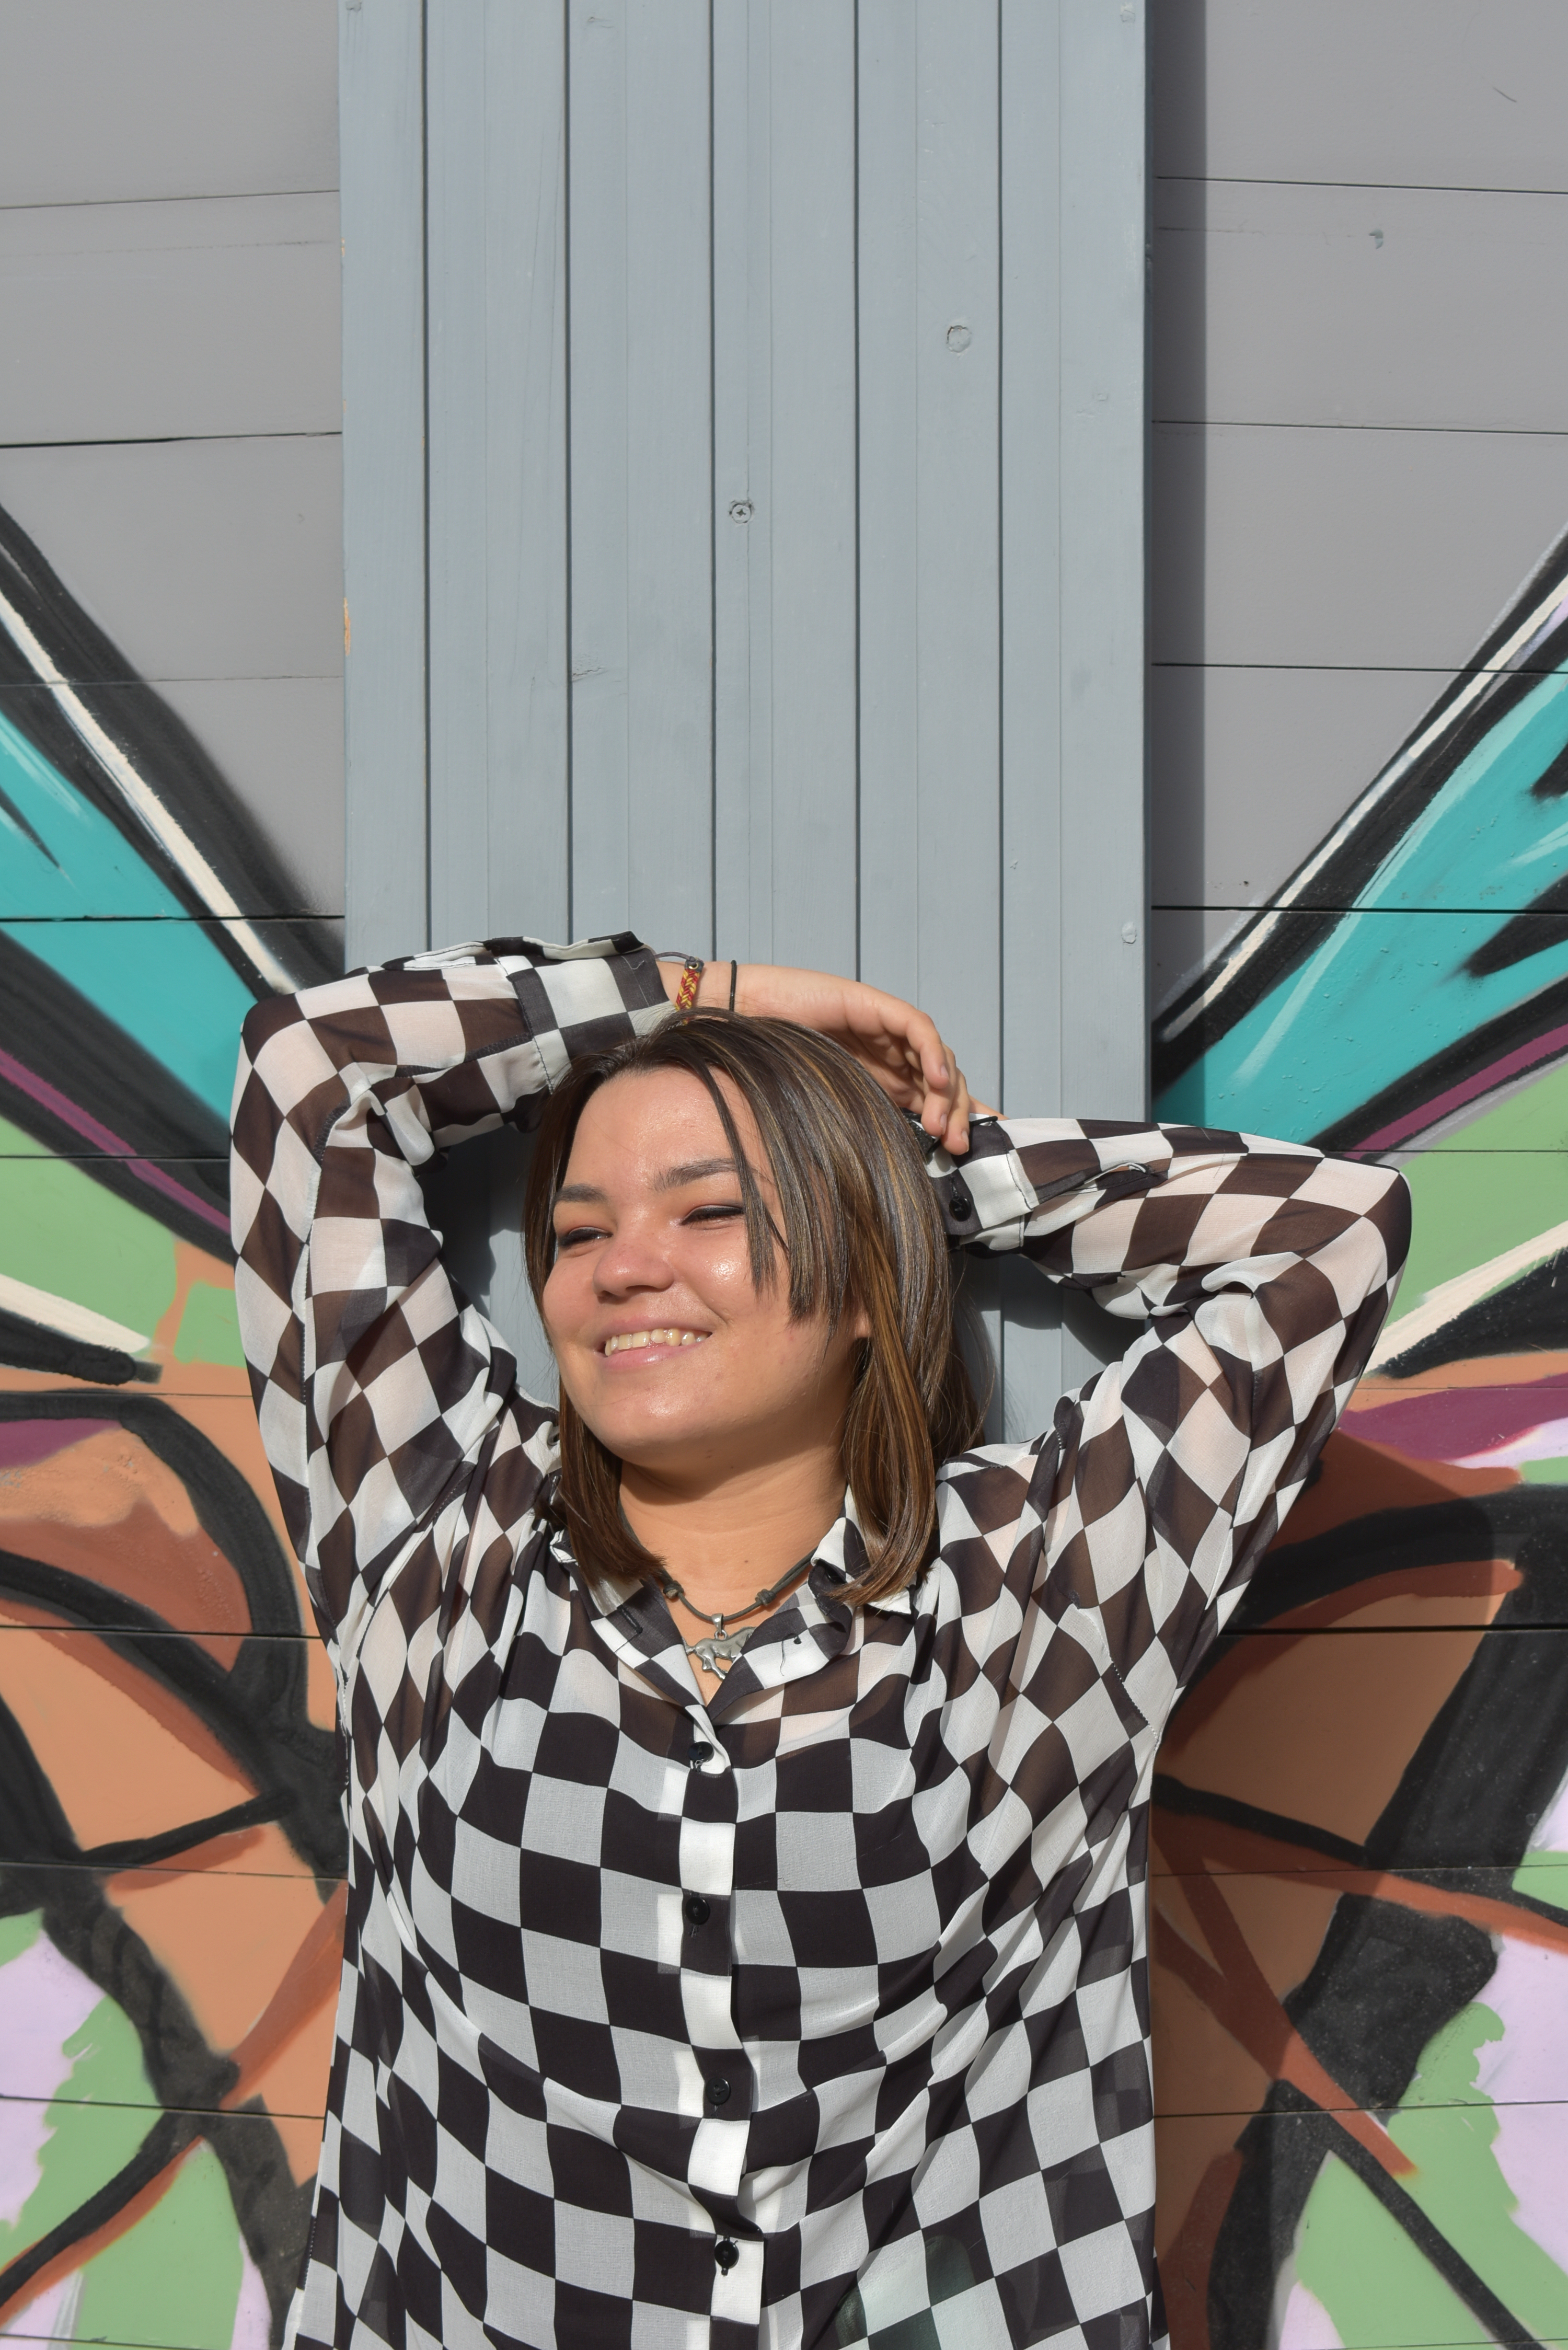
[1535, 622]
[72, 1321]
[144, 801]
[1451, 1298]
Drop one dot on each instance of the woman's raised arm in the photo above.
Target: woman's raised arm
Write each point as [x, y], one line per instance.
[375, 1384]
[1263, 1272]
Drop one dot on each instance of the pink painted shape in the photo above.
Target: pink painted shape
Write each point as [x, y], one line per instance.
[1548, 1441]
[43, 2001]
[1307, 2325]
[252, 2318]
[1526, 2076]
[23, 1442]
[1457, 1423]
[1512, 1065]
[82, 1122]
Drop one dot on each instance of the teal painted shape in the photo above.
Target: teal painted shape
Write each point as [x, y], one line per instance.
[177, 994]
[1386, 988]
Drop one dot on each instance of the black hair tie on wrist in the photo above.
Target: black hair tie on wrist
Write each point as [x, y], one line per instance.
[734, 975]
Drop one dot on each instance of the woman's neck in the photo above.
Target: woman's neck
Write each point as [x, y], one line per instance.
[726, 1541]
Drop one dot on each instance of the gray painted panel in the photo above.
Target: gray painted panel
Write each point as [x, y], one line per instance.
[810, 489]
[743, 522]
[1361, 305]
[958, 353]
[381, 96]
[1103, 440]
[201, 558]
[216, 316]
[183, 98]
[889, 462]
[498, 650]
[1251, 768]
[1321, 548]
[641, 468]
[800, 540]
[1033, 1372]
[1420, 93]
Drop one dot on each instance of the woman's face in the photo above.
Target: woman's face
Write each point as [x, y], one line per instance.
[677, 1361]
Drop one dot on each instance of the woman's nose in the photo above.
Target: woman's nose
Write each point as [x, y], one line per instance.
[631, 1261]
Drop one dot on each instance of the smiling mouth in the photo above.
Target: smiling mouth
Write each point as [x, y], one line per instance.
[628, 1338]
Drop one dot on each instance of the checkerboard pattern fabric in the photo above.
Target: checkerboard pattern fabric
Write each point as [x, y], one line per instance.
[817, 2014]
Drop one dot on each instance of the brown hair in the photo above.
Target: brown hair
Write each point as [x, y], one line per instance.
[861, 1230]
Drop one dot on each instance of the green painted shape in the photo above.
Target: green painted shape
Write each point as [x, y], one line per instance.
[1449, 2127]
[174, 2278]
[1470, 1206]
[210, 1327]
[1359, 2262]
[1363, 2269]
[61, 1231]
[1551, 1471]
[102, 2110]
[1544, 1876]
[19, 1934]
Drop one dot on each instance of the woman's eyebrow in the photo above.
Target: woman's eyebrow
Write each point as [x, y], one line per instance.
[694, 1170]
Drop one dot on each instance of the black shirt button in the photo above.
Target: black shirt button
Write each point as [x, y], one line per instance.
[701, 1752]
[697, 1910]
[962, 1205]
[726, 2251]
[718, 2093]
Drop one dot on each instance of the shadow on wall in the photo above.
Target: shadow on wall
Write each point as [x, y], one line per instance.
[1361, 1825]
[171, 1838]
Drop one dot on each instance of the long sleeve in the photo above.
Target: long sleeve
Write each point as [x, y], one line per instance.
[375, 1384]
[1262, 1272]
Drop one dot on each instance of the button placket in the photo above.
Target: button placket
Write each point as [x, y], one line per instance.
[737, 2282]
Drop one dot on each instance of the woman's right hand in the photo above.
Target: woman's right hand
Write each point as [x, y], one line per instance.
[895, 1041]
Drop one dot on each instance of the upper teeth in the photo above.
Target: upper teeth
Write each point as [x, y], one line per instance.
[652, 1338]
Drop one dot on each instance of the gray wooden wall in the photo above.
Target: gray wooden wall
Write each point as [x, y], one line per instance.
[744, 448]
[170, 401]
[1360, 349]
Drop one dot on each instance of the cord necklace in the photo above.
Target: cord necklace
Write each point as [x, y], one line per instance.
[719, 1651]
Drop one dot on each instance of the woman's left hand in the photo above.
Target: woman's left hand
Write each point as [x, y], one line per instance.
[895, 1041]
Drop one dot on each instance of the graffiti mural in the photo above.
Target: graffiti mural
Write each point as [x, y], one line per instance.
[1360, 1911]
[171, 1842]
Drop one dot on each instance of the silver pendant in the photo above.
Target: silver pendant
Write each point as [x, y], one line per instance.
[719, 1653]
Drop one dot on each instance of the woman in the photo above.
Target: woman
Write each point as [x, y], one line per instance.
[745, 1939]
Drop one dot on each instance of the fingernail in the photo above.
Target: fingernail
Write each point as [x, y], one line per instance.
[941, 1072]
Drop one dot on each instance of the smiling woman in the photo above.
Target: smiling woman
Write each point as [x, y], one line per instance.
[786, 1986]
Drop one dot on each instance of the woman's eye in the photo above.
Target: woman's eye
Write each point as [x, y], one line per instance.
[721, 1212]
[577, 1234]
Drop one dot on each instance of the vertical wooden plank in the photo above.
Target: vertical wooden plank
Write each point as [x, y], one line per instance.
[458, 547]
[381, 109]
[527, 550]
[1103, 437]
[497, 468]
[811, 493]
[742, 503]
[958, 377]
[642, 464]
[1030, 881]
[958, 648]
[889, 734]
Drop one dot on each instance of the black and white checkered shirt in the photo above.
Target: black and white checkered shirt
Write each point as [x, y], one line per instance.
[816, 2014]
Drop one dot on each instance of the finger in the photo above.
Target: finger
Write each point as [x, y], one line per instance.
[955, 1133]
